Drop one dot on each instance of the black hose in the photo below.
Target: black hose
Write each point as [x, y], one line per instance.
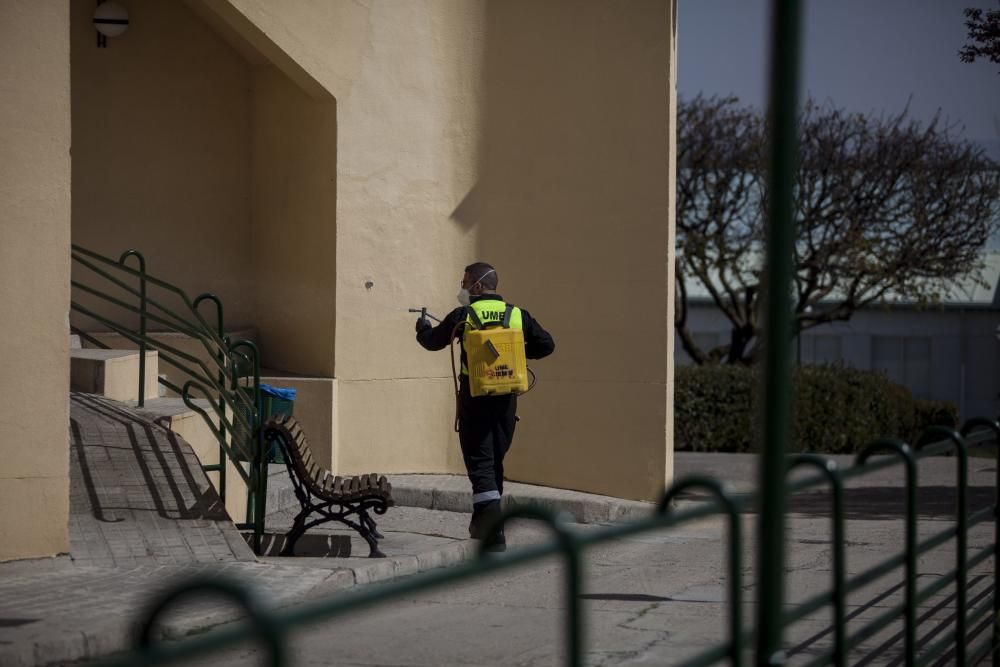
[454, 371]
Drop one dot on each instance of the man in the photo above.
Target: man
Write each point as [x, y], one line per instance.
[485, 423]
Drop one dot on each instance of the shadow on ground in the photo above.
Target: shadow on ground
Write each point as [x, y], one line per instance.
[312, 545]
[880, 502]
[171, 479]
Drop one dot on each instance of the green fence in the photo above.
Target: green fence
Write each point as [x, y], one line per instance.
[974, 634]
[763, 639]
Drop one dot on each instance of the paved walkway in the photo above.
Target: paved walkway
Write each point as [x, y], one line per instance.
[138, 495]
[144, 515]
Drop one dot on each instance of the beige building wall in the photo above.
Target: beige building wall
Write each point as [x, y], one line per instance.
[407, 78]
[34, 277]
[534, 135]
[162, 151]
[294, 223]
[410, 134]
[575, 214]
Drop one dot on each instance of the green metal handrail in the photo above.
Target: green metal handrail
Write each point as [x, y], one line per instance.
[220, 328]
[732, 509]
[571, 545]
[142, 319]
[910, 549]
[961, 527]
[215, 345]
[86, 258]
[968, 429]
[838, 597]
[198, 330]
[236, 454]
[257, 496]
[236, 421]
[170, 354]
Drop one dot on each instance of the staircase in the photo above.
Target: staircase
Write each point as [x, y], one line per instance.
[210, 393]
[114, 374]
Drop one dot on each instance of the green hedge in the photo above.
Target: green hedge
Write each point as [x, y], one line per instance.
[836, 409]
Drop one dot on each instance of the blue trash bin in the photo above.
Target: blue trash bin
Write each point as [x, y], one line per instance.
[276, 401]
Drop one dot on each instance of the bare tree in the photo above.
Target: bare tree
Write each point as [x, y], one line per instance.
[984, 35]
[884, 206]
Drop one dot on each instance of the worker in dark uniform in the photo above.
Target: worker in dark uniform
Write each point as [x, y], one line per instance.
[485, 423]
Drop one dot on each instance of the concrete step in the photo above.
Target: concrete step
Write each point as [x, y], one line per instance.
[178, 341]
[112, 373]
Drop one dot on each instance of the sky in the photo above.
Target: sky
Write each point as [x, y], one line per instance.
[861, 55]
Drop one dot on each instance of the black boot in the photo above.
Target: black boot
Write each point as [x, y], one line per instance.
[489, 518]
[475, 524]
[498, 542]
[483, 515]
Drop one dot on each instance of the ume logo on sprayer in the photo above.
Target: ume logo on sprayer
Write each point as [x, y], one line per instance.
[501, 371]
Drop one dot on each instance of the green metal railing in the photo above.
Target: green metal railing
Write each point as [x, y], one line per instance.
[766, 640]
[783, 124]
[235, 418]
[273, 627]
[220, 356]
[142, 319]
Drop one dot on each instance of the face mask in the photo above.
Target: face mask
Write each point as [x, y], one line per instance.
[464, 298]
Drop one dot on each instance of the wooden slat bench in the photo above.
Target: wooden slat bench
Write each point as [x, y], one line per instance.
[333, 498]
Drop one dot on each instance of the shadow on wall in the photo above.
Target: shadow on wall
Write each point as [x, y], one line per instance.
[571, 206]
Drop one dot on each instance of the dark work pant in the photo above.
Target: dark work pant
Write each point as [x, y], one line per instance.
[485, 431]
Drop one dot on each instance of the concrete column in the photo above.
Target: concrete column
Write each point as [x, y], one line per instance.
[34, 278]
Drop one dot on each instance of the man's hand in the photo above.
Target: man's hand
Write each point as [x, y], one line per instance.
[423, 324]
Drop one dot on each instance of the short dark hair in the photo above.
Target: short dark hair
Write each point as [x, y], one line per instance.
[480, 272]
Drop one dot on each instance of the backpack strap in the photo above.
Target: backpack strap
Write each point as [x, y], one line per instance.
[471, 314]
[506, 316]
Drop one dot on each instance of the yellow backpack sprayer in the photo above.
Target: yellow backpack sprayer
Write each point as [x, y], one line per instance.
[495, 357]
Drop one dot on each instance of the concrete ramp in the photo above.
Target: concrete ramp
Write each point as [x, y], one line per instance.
[138, 495]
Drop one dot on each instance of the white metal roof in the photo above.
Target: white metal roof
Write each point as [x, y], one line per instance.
[967, 291]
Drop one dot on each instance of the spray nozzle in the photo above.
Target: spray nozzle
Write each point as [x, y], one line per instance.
[423, 313]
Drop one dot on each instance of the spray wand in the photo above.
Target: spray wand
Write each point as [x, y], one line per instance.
[424, 314]
[454, 371]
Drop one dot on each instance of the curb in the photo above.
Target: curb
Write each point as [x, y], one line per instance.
[582, 507]
[450, 493]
